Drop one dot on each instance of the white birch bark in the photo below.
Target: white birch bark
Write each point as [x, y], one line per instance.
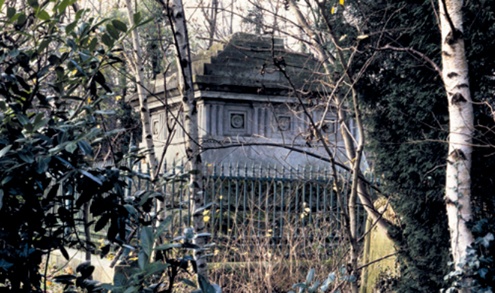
[144, 111]
[192, 146]
[456, 82]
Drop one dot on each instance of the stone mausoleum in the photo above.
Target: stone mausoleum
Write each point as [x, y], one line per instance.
[248, 107]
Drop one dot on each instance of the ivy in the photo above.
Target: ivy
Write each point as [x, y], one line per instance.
[407, 122]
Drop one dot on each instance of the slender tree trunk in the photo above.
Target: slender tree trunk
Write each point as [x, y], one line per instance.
[328, 60]
[212, 22]
[354, 153]
[177, 17]
[456, 82]
[142, 94]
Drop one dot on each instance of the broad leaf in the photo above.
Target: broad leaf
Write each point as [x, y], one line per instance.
[43, 15]
[137, 18]
[107, 40]
[310, 276]
[70, 27]
[71, 147]
[64, 252]
[112, 31]
[102, 222]
[156, 268]
[91, 176]
[119, 25]
[5, 150]
[64, 279]
[147, 240]
[168, 246]
[63, 5]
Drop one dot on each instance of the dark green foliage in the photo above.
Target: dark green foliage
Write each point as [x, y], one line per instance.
[82, 279]
[480, 30]
[407, 118]
[482, 253]
[51, 89]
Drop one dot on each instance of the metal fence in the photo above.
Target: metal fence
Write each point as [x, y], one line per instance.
[258, 201]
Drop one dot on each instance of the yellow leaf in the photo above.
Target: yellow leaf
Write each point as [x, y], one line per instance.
[206, 219]
[118, 98]
[333, 10]
[341, 2]
[206, 212]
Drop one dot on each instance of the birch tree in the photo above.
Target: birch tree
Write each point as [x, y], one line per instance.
[144, 111]
[186, 88]
[456, 80]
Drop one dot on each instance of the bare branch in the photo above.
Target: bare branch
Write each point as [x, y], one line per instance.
[414, 52]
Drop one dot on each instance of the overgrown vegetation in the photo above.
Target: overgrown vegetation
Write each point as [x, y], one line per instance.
[407, 121]
[57, 116]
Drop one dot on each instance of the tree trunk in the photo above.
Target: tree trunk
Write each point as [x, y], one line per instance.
[144, 111]
[177, 17]
[456, 82]
[327, 61]
[212, 22]
[354, 153]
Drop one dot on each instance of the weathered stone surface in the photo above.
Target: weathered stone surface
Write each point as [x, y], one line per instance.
[245, 99]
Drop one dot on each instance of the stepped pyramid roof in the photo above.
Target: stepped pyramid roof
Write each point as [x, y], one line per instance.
[246, 64]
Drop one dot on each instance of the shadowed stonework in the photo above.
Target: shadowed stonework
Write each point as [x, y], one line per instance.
[249, 92]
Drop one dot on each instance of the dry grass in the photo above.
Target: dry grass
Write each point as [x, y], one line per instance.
[253, 264]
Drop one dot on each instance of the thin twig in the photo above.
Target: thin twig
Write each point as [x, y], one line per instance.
[415, 52]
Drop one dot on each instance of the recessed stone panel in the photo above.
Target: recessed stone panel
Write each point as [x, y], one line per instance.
[237, 121]
[284, 123]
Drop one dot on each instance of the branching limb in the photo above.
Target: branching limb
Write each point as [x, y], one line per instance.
[415, 52]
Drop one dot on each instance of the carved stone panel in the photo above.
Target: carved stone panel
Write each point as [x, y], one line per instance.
[237, 120]
[284, 123]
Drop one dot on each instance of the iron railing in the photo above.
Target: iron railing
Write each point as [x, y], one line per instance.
[258, 201]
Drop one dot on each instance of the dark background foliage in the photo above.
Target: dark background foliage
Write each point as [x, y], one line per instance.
[407, 122]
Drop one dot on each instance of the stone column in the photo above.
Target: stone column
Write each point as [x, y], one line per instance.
[220, 119]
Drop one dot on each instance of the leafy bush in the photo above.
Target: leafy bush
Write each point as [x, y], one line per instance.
[52, 87]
